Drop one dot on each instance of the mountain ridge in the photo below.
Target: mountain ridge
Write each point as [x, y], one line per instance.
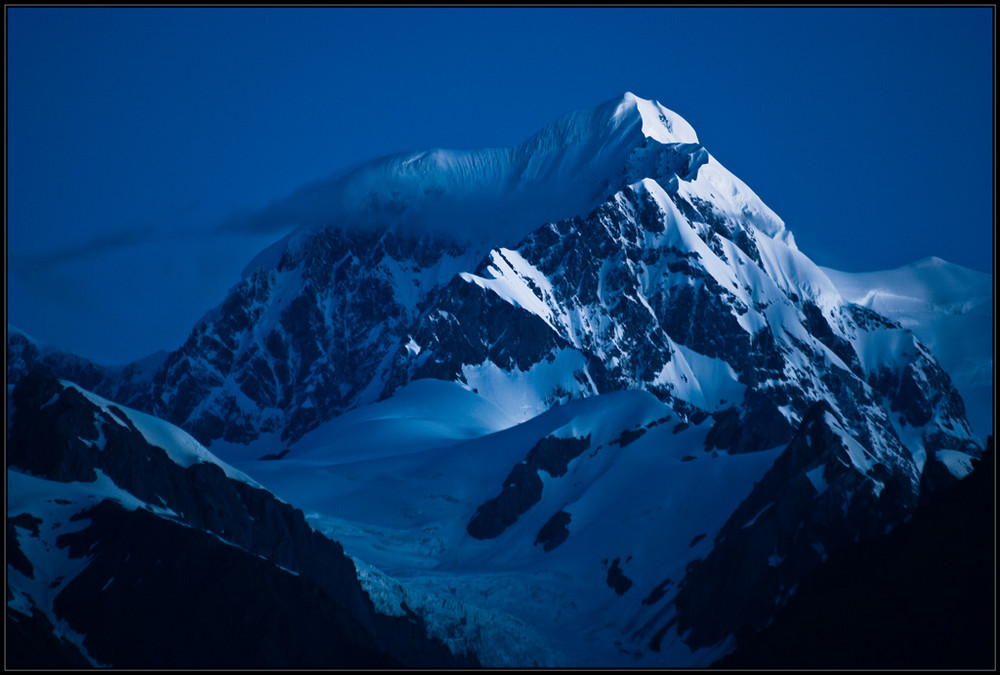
[664, 342]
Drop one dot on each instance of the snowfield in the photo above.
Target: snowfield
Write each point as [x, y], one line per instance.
[401, 514]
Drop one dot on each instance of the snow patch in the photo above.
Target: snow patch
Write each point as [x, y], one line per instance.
[818, 479]
[518, 282]
[525, 394]
[958, 463]
[757, 515]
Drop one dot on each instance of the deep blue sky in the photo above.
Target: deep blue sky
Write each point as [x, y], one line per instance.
[134, 133]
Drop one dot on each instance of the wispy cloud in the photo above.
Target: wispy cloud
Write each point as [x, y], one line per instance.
[96, 246]
[308, 206]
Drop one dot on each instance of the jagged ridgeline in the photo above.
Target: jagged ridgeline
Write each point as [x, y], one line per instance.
[146, 551]
[622, 310]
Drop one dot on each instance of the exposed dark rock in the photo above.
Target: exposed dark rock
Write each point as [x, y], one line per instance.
[617, 579]
[763, 425]
[299, 359]
[522, 490]
[554, 531]
[51, 441]
[820, 328]
[725, 433]
[553, 454]
[654, 642]
[523, 486]
[629, 436]
[15, 557]
[780, 532]
[657, 593]
[23, 356]
[50, 430]
[935, 476]
[157, 594]
[31, 642]
[868, 318]
[920, 597]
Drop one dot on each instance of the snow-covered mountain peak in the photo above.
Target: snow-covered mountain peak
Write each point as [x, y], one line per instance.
[494, 196]
[518, 383]
[658, 122]
[628, 118]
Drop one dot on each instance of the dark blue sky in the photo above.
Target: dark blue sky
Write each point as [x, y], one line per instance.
[133, 134]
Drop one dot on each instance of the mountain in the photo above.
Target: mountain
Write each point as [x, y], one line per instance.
[25, 353]
[950, 309]
[147, 551]
[578, 402]
[859, 610]
[310, 330]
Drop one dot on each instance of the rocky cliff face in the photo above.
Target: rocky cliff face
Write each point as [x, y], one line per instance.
[304, 340]
[639, 296]
[676, 279]
[921, 597]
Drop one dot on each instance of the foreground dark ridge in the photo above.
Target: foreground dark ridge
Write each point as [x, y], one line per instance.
[924, 596]
[182, 566]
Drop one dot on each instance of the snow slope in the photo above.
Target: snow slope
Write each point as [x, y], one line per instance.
[179, 446]
[402, 514]
[950, 308]
[498, 195]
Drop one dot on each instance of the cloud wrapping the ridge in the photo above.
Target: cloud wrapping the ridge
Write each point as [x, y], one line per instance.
[97, 246]
[310, 206]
